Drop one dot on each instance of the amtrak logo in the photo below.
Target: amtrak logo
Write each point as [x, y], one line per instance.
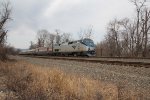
[74, 46]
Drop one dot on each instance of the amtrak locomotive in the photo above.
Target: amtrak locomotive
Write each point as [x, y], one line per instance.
[83, 47]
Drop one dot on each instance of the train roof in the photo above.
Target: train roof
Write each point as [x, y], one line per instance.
[70, 42]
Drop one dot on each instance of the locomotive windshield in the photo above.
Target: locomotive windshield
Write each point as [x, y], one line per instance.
[88, 42]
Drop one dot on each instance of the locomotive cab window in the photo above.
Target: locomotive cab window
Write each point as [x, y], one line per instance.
[88, 42]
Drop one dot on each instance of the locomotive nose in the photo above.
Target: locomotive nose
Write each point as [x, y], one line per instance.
[91, 49]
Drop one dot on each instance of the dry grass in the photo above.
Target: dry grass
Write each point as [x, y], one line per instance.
[29, 82]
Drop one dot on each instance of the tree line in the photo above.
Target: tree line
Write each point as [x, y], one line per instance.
[44, 38]
[128, 37]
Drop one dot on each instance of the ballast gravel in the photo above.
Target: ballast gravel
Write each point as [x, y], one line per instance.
[136, 78]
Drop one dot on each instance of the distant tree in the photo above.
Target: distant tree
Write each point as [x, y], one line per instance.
[32, 45]
[128, 29]
[47, 39]
[58, 37]
[139, 4]
[41, 37]
[12, 51]
[66, 37]
[129, 37]
[101, 49]
[86, 33]
[145, 29]
[50, 40]
[113, 37]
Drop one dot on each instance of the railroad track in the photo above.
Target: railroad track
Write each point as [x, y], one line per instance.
[125, 57]
[110, 62]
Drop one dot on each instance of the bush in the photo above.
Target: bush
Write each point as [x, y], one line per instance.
[3, 53]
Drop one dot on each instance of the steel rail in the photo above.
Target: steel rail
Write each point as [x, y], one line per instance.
[122, 63]
[125, 57]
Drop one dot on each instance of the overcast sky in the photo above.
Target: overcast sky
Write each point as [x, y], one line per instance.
[29, 16]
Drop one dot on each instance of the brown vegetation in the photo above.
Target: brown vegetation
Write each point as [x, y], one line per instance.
[7, 50]
[29, 82]
[3, 55]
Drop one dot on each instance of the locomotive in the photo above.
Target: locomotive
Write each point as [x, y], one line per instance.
[83, 47]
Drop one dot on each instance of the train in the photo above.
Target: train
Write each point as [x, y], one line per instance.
[82, 47]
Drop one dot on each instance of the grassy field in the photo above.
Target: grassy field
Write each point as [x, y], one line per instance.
[23, 81]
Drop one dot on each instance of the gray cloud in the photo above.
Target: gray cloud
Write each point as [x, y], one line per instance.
[67, 15]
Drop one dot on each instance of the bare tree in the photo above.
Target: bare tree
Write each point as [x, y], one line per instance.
[5, 11]
[81, 34]
[139, 4]
[41, 37]
[50, 40]
[47, 39]
[89, 32]
[113, 37]
[66, 37]
[102, 49]
[32, 45]
[5, 16]
[145, 28]
[86, 33]
[127, 36]
[58, 37]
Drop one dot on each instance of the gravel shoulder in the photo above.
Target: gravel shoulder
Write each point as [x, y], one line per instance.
[137, 79]
[125, 60]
